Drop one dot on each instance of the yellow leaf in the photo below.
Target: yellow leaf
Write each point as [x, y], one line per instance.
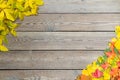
[16, 14]
[4, 33]
[20, 0]
[0, 41]
[117, 44]
[85, 72]
[117, 30]
[2, 28]
[3, 4]
[2, 15]
[12, 25]
[26, 4]
[3, 48]
[1, 1]
[106, 75]
[21, 16]
[34, 10]
[39, 2]
[13, 32]
[28, 13]
[8, 15]
[31, 3]
[113, 40]
[10, 2]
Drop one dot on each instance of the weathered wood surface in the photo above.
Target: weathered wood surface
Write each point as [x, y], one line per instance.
[60, 41]
[80, 6]
[47, 59]
[70, 22]
[39, 74]
[58, 45]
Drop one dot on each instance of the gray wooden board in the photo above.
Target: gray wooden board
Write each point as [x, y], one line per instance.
[80, 6]
[70, 22]
[47, 59]
[39, 74]
[60, 41]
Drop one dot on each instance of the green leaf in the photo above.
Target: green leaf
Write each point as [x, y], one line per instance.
[107, 50]
[116, 51]
[5, 40]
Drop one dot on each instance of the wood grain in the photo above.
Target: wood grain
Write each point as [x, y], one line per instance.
[80, 6]
[39, 74]
[47, 59]
[69, 22]
[60, 41]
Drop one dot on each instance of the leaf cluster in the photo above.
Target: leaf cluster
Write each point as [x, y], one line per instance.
[10, 11]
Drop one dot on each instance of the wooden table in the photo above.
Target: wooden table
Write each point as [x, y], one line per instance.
[59, 42]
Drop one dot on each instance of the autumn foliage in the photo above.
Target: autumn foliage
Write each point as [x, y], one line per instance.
[10, 11]
[106, 67]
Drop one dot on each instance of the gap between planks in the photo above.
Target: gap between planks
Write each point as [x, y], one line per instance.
[39, 74]
[47, 60]
[60, 40]
[80, 6]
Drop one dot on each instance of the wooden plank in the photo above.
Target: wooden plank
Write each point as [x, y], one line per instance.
[80, 6]
[60, 41]
[39, 74]
[47, 59]
[70, 22]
